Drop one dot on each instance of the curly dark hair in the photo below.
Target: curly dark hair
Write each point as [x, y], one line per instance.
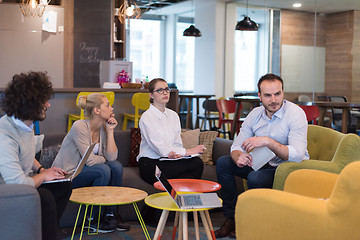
[270, 77]
[26, 95]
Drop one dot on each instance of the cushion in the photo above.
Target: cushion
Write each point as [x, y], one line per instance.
[190, 138]
[207, 138]
[135, 146]
[48, 155]
[39, 142]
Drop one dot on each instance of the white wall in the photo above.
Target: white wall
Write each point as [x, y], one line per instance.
[209, 48]
[24, 46]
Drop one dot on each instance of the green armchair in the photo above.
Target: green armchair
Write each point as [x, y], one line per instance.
[329, 151]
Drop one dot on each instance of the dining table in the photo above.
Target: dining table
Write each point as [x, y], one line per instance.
[192, 96]
[344, 106]
[253, 100]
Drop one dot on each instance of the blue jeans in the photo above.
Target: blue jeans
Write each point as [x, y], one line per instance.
[226, 169]
[107, 174]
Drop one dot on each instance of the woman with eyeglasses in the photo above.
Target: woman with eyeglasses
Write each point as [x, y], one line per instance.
[161, 138]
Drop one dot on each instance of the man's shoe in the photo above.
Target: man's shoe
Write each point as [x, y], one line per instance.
[120, 224]
[226, 228]
[105, 225]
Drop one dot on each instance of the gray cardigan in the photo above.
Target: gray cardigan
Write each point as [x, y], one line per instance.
[75, 144]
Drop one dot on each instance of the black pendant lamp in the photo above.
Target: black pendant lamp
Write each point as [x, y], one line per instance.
[247, 24]
[192, 31]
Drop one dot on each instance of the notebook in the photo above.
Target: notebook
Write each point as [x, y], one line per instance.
[184, 157]
[188, 201]
[261, 156]
[80, 166]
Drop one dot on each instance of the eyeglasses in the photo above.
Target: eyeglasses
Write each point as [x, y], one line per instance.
[162, 90]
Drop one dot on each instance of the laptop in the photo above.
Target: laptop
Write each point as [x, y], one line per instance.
[188, 201]
[80, 166]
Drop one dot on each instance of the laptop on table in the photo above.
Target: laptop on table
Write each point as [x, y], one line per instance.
[188, 201]
[80, 166]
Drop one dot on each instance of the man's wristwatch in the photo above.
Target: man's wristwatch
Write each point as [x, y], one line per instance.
[39, 169]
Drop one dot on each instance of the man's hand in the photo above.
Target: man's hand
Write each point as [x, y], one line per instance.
[244, 159]
[53, 173]
[254, 142]
[241, 159]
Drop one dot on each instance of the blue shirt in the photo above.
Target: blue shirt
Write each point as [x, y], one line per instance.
[288, 126]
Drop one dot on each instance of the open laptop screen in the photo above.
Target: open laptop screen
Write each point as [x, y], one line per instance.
[163, 180]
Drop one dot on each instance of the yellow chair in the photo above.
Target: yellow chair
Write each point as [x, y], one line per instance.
[329, 151]
[141, 101]
[73, 117]
[272, 214]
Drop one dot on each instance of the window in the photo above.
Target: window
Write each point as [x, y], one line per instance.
[251, 51]
[184, 60]
[144, 44]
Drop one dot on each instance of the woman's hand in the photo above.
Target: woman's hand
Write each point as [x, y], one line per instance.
[173, 155]
[199, 149]
[111, 123]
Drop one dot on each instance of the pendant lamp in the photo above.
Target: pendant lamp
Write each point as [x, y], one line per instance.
[192, 31]
[247, 24]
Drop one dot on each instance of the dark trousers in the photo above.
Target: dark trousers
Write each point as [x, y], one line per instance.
[226, 170]
[54, 198]
[184, 168]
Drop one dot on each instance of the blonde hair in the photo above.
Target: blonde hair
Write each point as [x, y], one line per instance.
[89, 102]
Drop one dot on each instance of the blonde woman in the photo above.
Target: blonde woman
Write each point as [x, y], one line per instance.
[101, 168]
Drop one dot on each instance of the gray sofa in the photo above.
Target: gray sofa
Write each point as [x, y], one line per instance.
[131, 176]
[20, 212]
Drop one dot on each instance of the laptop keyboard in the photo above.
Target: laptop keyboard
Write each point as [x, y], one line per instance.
[192, 200]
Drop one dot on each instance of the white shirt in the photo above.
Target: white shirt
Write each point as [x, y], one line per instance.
[288, 126]
[160, 133]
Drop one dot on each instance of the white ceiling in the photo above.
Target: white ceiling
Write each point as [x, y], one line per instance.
[323, 6]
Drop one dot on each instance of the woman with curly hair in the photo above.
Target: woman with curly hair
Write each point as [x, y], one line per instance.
[101, 168]
[25, 100]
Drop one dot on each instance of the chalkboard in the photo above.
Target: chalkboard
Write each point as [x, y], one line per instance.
[92, 39]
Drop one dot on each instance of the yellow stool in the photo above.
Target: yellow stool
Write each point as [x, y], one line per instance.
[164, 202]
[141, 101]
[73, 117]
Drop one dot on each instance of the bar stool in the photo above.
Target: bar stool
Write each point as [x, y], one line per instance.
[73, 117]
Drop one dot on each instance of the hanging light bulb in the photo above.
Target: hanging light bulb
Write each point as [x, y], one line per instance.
[33, 8]
[33, 4]
[129, 9]
[247, 24]
[192, 31]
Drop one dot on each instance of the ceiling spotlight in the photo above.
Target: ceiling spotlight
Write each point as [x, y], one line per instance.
[297, 5]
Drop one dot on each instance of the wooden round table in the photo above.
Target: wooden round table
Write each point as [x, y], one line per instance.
[107, 196]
